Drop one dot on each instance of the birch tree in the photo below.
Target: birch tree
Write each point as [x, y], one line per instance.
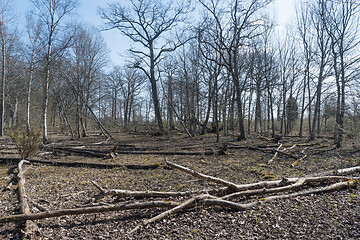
[51, 13]
[6, 37]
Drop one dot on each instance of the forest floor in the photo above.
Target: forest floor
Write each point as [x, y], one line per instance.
[334, 215]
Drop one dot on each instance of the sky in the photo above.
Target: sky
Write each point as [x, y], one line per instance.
[283, 10]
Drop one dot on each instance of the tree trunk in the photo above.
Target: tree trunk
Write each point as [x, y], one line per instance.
[154, 92]
[170, 102]
[28, 98]
[216, 117]
[318, 99]
[14, 117]
[257, 121]
[3, 80]
[210, 96]
[239, 105]
[46, 83]
[303, 100]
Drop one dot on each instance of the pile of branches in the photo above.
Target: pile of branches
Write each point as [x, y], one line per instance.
[248, 196]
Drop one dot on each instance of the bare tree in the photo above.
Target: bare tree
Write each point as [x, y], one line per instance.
[342, 24]
[321, 55]
[88, 55]
[51, 14]
[304, 30]
[148, 23]
[6, 37]
[32, 54]
[127, 82]
[232, 25]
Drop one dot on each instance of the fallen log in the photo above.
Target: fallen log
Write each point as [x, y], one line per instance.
[142, 194]
[300, 159]
[107, 154]
[273, 151]
[136, 194]
[100, 165]
[220, 181]
[232, 186]
[275, 155]
[264, 149]
[208, 200]
[324, 151]
[88, 210]
[301, 182]
[235, 146]
[204, 199]
[330, 188]
[187, 204]
[338, 172]
[30, 227]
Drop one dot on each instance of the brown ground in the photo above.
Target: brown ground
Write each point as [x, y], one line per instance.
[327, 216]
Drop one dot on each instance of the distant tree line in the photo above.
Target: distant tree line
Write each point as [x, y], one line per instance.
[193, 66]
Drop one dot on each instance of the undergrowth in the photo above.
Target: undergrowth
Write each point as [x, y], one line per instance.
[27, 142]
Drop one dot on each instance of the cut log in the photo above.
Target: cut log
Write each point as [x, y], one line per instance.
[30, 227]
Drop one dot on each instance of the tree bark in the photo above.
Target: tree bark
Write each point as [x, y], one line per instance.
[154, 90]
[88, 210]
[3, 78]
[30, 227]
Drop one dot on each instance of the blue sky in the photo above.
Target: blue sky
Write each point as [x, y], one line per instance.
[283, 9]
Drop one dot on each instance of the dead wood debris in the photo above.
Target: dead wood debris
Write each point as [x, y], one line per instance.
[255, 194]
[300, 159]
[264, 149]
